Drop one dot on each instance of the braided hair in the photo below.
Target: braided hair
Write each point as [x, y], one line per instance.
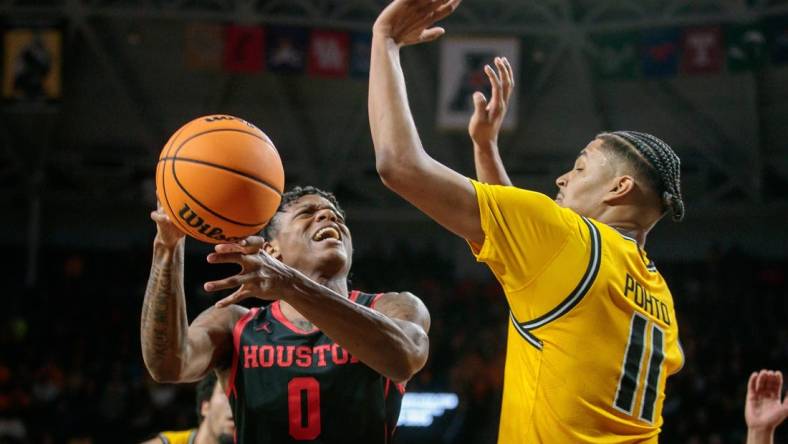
[293, 195]
[653, 159]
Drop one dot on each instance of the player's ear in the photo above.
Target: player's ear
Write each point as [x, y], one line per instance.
[204, 406]
[621, 187]
[272, 248]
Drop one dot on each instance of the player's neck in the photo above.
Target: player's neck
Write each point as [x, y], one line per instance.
[634, 233]
[629, 221]
[333, 281]
[338, 286]
[204, 435]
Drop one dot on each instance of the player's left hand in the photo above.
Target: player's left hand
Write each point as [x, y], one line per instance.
[409, 22]
[262, 276]
[763, 408]
[487, 116]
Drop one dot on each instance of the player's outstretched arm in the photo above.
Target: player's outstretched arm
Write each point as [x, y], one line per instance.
[403, 165]
[392, 339]
[485, 124]
[764, 410]
[172, 350]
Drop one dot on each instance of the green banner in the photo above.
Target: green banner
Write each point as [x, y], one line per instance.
[614, 56]
[745, 47]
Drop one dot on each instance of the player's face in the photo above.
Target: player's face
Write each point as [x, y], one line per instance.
[218, 414]
[311, 235]
[585, 186]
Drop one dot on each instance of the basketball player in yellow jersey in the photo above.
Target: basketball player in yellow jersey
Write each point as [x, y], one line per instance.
[593, 334]
[216, 418]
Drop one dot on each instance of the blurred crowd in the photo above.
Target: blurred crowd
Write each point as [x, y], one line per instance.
[71, 369]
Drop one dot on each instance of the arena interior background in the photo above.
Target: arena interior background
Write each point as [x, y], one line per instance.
[77, 163]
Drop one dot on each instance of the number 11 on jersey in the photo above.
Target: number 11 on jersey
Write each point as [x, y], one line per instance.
[629, 382]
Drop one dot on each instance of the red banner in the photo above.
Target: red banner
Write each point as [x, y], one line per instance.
[243, 48]
[329, 53]
[702, 50]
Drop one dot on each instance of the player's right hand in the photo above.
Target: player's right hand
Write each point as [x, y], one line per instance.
[166, 232]
[764, 408]
[409, 22]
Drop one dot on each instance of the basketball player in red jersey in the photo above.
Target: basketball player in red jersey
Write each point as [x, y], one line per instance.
[320, 364]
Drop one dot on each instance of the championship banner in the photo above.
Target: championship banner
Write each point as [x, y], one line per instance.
[286, 49]
[659, 52]
[745, 47]
[462, 74]
[204, 46]
[32, 64]
[329, 53]
[614, 56]
[243, 48]
[702, 51]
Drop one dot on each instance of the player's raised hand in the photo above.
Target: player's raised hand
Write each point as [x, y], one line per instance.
[409, 22]
[262, 276]
[166, 231]
[488, 116]
[764, 409]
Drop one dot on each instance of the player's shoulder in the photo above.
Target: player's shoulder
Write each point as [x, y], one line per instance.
[224, 317]
[403, 305]
[512, 193]
[177, 437]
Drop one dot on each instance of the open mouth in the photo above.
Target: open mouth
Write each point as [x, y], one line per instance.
[327, 233]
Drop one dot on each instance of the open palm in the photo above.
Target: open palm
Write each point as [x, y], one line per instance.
[409, 22]
[764, 407]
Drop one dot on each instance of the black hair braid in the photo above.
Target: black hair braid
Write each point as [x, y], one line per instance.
[665, 163]
[293, 195]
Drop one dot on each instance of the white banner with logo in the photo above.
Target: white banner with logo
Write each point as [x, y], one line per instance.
[462, 74]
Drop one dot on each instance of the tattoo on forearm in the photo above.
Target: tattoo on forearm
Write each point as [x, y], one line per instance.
[160, 321]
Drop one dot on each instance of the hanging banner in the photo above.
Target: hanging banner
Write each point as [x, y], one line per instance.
[659, 51]
[204, 45]
[614, 56]
[702, 51]
[32, 64]
[286, 49]
[745, 47]
[360, 49]
[243, 49]
[462, 74]
[329, 53]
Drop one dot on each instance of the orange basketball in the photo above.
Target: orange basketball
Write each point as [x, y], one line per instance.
[219, 179]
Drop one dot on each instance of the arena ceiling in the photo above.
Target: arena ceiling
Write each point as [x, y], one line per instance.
[126, 89]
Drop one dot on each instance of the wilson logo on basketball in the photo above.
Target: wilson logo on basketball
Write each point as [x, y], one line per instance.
[192, 219]
[220, 118]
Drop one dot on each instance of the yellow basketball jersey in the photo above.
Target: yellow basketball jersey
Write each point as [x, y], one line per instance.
[183, 437]
[593, 334]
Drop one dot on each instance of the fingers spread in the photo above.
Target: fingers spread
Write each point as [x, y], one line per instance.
[479, 102]
[230, 282]
[509, 70]
[431, 34]
[506, 79]
[446, 9]
[496, 101]
[228, 258]
[751, 383]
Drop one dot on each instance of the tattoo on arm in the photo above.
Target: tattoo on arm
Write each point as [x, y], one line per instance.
[164, 325]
